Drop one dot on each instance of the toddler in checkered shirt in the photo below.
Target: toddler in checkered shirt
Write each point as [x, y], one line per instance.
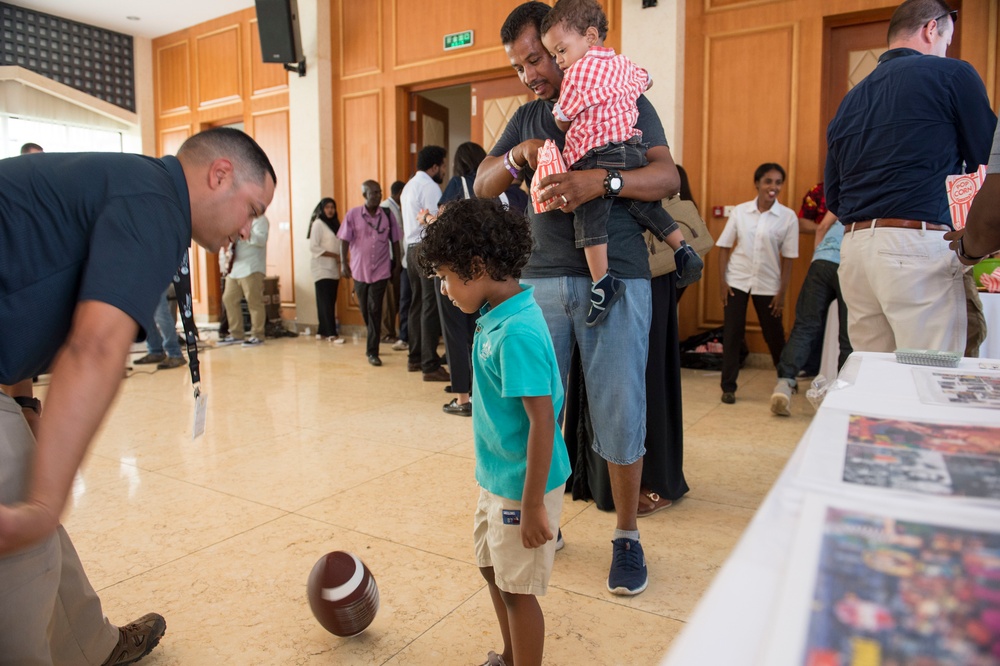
[597, 110]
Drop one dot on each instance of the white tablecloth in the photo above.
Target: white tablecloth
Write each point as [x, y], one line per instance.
[733, 622]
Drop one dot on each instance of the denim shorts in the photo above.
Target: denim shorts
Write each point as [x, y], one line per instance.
[613, 354]
[590, 219]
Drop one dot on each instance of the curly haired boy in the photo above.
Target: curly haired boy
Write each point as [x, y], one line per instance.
[478, 249]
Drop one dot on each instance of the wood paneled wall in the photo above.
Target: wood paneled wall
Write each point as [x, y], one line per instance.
[753, 93]
[388, 48]
[211, 74]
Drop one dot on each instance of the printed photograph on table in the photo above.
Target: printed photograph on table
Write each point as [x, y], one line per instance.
[929, 458]
[886, 590]
[957, 388]
[897, 592]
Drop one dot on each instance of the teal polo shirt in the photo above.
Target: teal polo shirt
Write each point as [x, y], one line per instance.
[513, 358]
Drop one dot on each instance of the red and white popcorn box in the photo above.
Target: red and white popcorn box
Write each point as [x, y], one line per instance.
[961, 191]
[991, 281]
[550, 161]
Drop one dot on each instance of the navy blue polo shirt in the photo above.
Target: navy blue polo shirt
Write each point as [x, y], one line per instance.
[85, 226]
[900, 132]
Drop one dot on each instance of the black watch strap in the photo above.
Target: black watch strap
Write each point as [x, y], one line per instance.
[25, 402]
[961, 252]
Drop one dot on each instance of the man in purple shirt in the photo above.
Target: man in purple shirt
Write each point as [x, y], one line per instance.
[367, 232]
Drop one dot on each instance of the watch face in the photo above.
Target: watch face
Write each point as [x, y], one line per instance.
[616, 183]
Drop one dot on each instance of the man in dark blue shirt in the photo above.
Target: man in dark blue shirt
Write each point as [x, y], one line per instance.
[87, 242]
[916, 119]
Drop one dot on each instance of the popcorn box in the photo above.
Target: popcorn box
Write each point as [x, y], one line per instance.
[962, 189]
[550, 161]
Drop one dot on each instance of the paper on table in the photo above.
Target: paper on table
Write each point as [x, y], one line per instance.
[861, 581]
[958, 388]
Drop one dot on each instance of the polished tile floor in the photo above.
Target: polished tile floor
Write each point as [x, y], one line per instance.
[309, 449]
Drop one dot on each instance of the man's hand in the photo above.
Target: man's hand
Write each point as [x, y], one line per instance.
[24, 524]
[956, 247]
[535, 530]
[725, 292]
[777, 304]
[578, 187]
[425, 217]
[345, 270]
[526, 152]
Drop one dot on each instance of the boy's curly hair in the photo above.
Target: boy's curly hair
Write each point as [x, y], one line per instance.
[577, 15]
[474, 234]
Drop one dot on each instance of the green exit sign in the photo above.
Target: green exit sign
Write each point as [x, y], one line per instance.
[458, 40]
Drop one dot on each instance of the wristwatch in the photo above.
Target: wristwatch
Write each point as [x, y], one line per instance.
[612, 184]
[34, 404]
[961, 252]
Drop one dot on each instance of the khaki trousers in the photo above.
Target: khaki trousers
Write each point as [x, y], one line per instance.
[49, 612]
[976, 329]
[903, 288]
[251, 288]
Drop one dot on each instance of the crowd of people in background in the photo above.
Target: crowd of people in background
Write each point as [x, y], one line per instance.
[520, 294]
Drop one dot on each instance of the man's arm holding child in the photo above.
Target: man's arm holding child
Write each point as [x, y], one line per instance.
[535, 528]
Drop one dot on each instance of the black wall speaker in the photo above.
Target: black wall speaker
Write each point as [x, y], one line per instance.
[278, 25]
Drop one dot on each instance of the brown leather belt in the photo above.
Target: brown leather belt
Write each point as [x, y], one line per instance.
[894, 223]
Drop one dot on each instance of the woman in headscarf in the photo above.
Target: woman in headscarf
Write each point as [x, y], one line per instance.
[325, 249]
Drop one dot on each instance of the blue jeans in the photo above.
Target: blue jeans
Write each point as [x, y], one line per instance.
[163, 336]
[613, 356]
[820, 288]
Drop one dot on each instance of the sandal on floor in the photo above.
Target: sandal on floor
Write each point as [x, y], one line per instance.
[650, 503]
[493, 659]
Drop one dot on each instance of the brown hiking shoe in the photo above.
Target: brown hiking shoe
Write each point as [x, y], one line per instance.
[170, 362]
[137, 639]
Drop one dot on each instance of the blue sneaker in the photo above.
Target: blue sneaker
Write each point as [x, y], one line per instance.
[689, 265]
[603, 294]
[628, 575]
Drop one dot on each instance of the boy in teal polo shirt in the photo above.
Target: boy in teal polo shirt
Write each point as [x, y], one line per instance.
[478, 250]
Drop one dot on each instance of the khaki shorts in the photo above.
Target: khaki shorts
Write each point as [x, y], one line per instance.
[516, 569]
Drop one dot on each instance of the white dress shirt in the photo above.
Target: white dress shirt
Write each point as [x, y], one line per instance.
[420, 192]
[761, 240]
[322, 239]
[251, 254]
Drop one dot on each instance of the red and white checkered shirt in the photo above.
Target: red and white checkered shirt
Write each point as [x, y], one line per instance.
[598, 95]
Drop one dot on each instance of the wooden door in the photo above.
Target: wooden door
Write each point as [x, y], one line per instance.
[429, 126]
[270, 130]
[494, 101]
[759, 87]
[852, 53]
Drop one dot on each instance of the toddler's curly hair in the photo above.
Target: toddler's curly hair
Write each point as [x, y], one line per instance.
[578, 15]
[477, 234]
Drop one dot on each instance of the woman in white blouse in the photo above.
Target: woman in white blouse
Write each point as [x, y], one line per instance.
[325, 249]
[766, 239]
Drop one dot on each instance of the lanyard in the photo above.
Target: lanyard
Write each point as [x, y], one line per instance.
[182, 287]
[378, 221]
